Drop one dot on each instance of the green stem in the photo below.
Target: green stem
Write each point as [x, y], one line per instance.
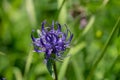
[58, 11]
[112, 66]
[103, 51]
[28, 64]
[55, 70]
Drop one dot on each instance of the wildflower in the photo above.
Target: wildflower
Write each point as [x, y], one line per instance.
[83, 22]
[53, 42]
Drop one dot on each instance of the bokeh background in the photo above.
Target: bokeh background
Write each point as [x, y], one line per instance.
[91, 22]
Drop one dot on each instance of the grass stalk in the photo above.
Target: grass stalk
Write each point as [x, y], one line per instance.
[55, 70]
[103, 51]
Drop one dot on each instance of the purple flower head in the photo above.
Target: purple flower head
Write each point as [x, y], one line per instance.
[53, 42]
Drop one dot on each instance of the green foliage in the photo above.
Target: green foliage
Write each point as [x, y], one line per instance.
[49, 66]
[95, 50]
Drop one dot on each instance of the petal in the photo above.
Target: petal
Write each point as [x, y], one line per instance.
[37, 42]
[63, 38]
[60, 45]
[45, 45]
[48, 52]
[37, 50]
[42, 43]
[33, 39]
[52, 28]
[48, 46]
[43, 28]
[67, 30]
[59, 27]
[71, 36]
[48, 38]
[55, 38]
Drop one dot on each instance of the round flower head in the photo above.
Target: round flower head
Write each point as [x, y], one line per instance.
[53, 42]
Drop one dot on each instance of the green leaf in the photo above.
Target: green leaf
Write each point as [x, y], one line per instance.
[17, 73]
[49, 66]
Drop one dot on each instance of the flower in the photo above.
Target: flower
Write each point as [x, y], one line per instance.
[53, 42]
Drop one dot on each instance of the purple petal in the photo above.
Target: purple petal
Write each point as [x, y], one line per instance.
[37, 42]
[33, 39]
[48, 38]
[43, 28]
[37, 50]
[59, 27]
[71, 36]
[67, 30]
[55, 38]
[48, 52]
[63, 37]
[60, 45]
[42, 43]
[52, 28]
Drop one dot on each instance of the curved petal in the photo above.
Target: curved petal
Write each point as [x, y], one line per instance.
[67, 30]
[42, 43]
[43, 28]
[37, 50]
[63, 37]
[59, 27]
[48, 38]
[33, 39]
[48, 52]
[71, 36]
[37, 42]
[55, 38]
[52, 28]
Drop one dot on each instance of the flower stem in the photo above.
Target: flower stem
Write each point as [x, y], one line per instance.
[103, 51]
[55, 70]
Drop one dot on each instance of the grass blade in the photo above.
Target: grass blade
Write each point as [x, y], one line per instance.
[103, 50]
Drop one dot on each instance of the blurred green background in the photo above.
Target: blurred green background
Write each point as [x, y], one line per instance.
[91, 22]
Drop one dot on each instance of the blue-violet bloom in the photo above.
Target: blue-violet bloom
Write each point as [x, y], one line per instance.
[52, 41]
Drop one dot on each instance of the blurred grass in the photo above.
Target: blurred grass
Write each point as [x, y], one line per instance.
[1, 53]
[104, 49]
[19, 17]
[18, 74]
[72, 52]
[28, 62]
